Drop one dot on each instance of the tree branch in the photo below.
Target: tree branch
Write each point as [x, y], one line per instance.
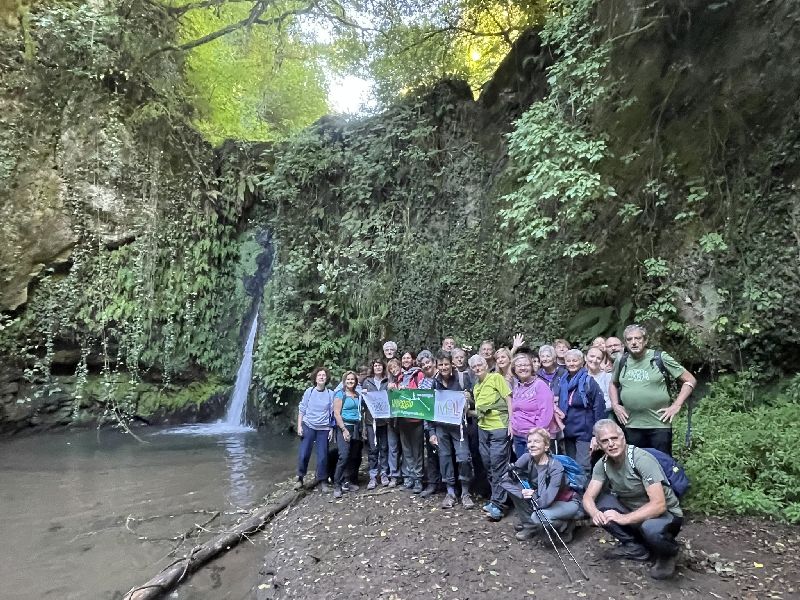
[183, 9]
[253, 18]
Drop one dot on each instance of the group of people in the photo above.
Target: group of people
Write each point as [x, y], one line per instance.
[524, 406]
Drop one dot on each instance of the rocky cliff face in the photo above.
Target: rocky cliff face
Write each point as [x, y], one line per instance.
[125, 245]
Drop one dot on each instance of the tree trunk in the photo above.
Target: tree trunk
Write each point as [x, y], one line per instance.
[200, 555]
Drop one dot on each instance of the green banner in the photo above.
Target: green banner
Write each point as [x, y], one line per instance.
[413, 404]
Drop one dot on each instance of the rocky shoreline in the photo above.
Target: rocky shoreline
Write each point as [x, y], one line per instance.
[30, 409]
[394, 545]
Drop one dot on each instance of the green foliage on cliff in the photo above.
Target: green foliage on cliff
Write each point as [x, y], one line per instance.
[153, 286]
[418, 44]
[399, 226]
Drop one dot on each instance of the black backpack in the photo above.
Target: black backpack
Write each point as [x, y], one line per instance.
[658, 362]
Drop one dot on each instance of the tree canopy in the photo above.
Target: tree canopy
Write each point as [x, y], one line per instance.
[260, 69]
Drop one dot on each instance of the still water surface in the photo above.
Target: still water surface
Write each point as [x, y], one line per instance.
[74, 507]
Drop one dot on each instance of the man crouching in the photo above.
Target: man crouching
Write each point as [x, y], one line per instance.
[629, 496]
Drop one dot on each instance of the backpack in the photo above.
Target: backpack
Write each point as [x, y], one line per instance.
[576, 478]
[673, 470]
[658, 362]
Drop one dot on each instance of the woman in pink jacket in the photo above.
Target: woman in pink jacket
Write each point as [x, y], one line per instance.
[532, 402]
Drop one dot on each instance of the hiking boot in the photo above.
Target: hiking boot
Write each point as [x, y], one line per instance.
[569, 533]
[298, 485]
[429, 490]
[449, 501]
[466, 501]
[408, 483]
[372, 484]
[353, 486]
[629, 551]
[385, 480]
[417, 487]
[337, 492]
[495, 513]
[664, 567]
[392, 482]
[525, 534]
[487, 507]
[323, 487]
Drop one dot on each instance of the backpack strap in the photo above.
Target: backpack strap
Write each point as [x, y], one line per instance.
[623, 361]
[658, 362]
[666, 480]
[629, 453]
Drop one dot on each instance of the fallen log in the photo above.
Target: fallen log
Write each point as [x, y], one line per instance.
[173, 574]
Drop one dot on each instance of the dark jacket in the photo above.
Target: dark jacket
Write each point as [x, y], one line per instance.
[582, 401]
[552, 379]
[438, 384]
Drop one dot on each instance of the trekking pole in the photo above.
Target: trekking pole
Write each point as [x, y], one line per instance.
[566, 547]
[545, 522]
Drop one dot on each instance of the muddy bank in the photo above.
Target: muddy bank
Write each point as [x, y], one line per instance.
[394, 545]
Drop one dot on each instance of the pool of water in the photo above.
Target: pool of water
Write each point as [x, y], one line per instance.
[91, 514]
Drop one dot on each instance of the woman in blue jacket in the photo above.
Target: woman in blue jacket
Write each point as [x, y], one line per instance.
[581, 401]
[314, 427]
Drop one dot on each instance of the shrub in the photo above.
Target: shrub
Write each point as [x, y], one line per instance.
[744, 458]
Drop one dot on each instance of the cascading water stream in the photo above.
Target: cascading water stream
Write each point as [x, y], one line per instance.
[237, 408]
[235, 420]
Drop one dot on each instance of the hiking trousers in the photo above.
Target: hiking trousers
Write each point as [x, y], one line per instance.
[411, 442]
[395, 455]
[659, 438]
[378, 450]
[495, 447]
[344, 463]
[433, 475]
[559, 513]
[657, 535]
[452, 446]
[579, 451]
[312, 437]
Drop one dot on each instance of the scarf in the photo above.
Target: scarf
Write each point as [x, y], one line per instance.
[574, 385]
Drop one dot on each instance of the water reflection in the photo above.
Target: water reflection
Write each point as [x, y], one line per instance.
[239, 459]
[97, 511]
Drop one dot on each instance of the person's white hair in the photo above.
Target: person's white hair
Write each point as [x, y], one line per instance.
[425, 354]
[390, 344]
[605, 424]
[475, 360]
[547, 349]
[524, 355]
[634, 327]
[574, 353]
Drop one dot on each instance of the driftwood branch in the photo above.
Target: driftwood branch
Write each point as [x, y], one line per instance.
[173, 574]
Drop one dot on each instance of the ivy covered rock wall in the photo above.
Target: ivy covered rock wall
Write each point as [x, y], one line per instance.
[122, 261]
[649, 175]
[629, 161]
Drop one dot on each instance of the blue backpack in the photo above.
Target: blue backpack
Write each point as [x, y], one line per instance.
[673, 470]
[576, 478]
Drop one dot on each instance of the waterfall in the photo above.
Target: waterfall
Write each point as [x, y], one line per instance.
[237, 408]
[235, 421]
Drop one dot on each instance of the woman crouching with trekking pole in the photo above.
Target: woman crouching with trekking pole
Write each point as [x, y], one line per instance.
[549, 490]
